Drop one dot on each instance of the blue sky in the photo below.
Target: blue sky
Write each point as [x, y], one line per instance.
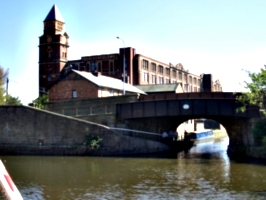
[218, 37]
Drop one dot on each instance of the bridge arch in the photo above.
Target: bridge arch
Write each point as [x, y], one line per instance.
[158, 115]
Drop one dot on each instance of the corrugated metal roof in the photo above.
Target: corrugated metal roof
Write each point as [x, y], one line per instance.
[108, 82]
[54, 14]
[158, 88]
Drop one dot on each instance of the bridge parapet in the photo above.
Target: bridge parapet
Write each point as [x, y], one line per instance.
[189, 95]
[192, 108]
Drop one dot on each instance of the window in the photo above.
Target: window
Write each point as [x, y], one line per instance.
[174, 74]
[49, 52]
[153, 78]
[185, 78]
[167, 71]
[180, 76]
[49, 78]
[111, 68]
[199, 82]
[167, 81]
[160, 80]
[186, 87]
[190, 80]
[174, 81]
[194, 81]
[145, 77]
[64, 54]
[153, 67]
[93, 66]
[74, 94]
[195, 89]
[160, 69]
[111, 92]
[145, 64]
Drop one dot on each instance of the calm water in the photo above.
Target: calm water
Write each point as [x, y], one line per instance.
[205, 172]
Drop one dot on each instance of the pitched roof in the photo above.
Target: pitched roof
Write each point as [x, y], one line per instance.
[54, 14]
[108, 82]
[158, 88]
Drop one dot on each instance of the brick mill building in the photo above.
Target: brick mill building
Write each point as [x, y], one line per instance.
[140, 69]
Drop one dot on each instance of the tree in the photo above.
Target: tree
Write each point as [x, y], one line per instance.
[257, 91]
[3, 79]
[12, 100]
[40, 101]
[256, 96]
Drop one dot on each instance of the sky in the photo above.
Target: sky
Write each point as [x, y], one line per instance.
[224, 38]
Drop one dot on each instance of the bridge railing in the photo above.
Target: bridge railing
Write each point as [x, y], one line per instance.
[86, 110]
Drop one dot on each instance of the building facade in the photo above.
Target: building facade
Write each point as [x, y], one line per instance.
[76, 84]
[138, 69]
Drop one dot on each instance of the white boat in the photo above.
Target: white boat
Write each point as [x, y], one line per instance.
[201, 136]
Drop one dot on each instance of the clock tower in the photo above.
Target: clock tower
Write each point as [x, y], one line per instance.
[53, 47]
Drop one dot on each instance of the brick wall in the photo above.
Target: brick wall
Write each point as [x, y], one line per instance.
[63, 89]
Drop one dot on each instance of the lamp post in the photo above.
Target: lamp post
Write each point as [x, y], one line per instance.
[123, 65]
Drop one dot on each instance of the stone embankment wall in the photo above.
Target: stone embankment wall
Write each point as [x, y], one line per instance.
[26, 130]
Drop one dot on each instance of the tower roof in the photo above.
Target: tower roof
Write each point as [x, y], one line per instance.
[54, 14]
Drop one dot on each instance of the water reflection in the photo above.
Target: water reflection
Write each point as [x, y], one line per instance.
[205, 172]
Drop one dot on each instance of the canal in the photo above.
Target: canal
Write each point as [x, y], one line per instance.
[205, 172]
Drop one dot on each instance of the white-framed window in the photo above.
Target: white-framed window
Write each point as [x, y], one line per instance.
[153, 79]
[160, 80]
[74, 94]
[167, 81]
[145, 77]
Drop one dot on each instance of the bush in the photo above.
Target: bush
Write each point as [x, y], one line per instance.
[264, 142]
[93, 141]
[259, 132]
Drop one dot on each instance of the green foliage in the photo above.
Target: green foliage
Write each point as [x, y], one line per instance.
[259, 131]
[93, 141]
[40, 101]
[264, 142]
[257, 91]
[12, 100]
[3, 78]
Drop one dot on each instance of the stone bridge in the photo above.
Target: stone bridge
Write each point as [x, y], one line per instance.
[156, 113]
